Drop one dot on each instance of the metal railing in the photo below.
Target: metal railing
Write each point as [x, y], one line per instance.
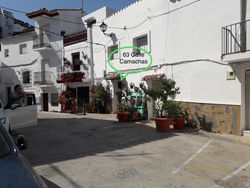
[234, 38]
[44, 78]
[41, 41]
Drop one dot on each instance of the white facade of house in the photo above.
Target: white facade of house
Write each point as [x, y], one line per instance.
[185, 45]
[184, 39]
[41, 54]
[6, 23]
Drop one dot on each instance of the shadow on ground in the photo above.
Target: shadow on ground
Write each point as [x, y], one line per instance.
[49, 183]
[57, 140]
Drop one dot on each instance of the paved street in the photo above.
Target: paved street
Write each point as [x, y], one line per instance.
[96, 151]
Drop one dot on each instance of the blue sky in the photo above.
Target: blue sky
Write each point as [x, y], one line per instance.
[89, 5]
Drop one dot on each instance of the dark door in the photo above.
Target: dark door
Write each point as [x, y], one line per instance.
[76, 61]
[82, 97]
[45, 102]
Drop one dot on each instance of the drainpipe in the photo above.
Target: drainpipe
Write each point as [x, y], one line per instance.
[90, 22]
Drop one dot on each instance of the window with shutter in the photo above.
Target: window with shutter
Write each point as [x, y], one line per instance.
[141, 42]
[111, 49]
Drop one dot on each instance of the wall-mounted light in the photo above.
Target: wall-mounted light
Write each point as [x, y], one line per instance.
[104, 28]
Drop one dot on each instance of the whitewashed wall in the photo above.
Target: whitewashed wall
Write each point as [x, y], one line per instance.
[191, 33]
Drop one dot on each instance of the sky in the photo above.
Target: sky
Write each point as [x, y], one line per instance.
[88, 5]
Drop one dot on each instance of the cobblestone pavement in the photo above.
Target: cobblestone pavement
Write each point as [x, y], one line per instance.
[73, 151]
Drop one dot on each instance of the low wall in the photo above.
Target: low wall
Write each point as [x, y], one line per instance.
[213, 117]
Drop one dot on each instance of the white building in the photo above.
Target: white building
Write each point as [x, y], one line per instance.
[6, 23]
[184, 39]
[235, 51]
[34, 59]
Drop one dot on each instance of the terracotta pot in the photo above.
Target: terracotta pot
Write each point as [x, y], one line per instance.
[134, 116]
[132, 101]
[139, 102]
[122, 116]
[179, 123]
[163, 124]
[73, 108]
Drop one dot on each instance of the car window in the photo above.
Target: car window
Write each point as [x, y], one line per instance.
[5, 149]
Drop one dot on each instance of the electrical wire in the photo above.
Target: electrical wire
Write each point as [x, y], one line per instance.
[111, 27]
[51, 32]
[175, 64]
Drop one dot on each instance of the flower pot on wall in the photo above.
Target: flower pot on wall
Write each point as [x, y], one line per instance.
[122, 116]
[132, 101]
[163, 124]
[139, 102]
[179, 123]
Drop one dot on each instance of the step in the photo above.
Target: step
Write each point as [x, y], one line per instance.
[246, 133]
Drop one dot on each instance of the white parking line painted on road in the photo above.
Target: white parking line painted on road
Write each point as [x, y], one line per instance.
[236, 171]
[192, 157]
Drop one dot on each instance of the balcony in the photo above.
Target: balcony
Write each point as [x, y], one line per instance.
[236, 42]
[75, 38]
[44, 78]
[76, 77]
[42, 42]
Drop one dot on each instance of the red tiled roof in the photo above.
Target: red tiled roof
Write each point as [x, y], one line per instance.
[41, 12]
[153, 77]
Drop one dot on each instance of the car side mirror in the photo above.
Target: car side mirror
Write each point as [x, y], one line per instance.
[14, 106]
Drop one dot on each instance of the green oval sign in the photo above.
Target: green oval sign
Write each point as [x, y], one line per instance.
[135, 72]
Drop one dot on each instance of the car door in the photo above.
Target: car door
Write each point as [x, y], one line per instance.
[24, 116]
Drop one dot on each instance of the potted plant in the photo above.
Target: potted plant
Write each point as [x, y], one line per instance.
[101, 98]
[180, 120]
[133, 113]
[68, 102]
[139, 102]
[123, 98]
[163, 107]
[132, 101]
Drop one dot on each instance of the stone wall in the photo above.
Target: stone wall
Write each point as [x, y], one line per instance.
[213, 117]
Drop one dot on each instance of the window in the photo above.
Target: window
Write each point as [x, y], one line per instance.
[6, 53]
[111, 49]
[26, 77]
[76, 61]
[54, 97]
[141, 42]
[23, 48]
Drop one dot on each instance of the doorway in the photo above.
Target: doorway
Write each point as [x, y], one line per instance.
[82, 97]
[45, 98]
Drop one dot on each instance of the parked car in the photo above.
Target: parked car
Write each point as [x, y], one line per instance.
[15, 171]
[4, 120]
[14, 116]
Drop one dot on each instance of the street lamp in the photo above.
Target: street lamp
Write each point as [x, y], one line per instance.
[104, 28]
